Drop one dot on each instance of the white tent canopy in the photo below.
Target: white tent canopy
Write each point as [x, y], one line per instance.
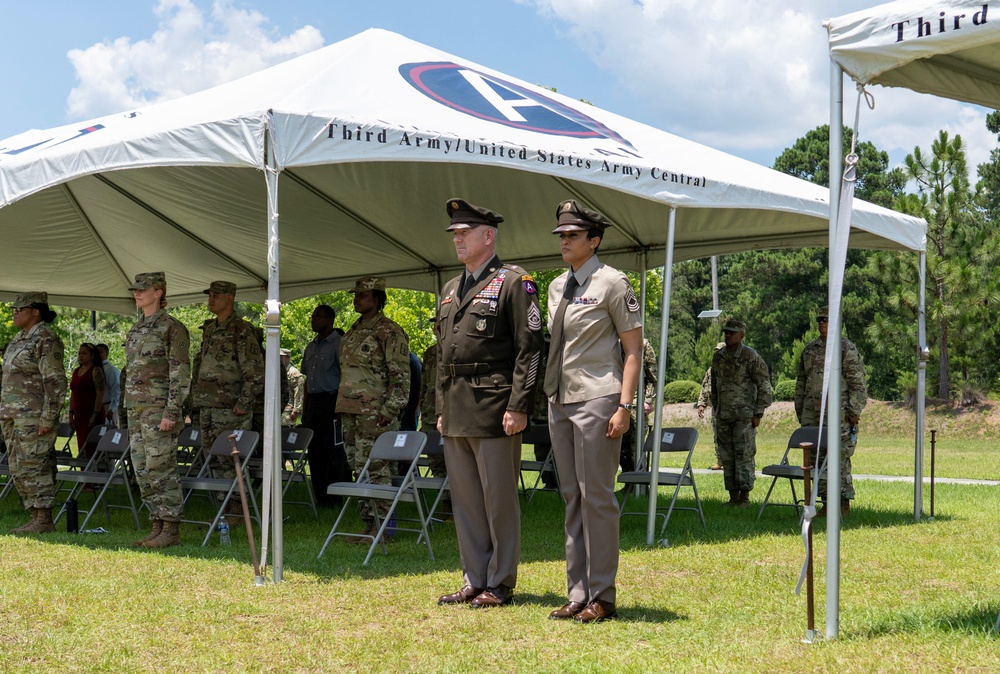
[947, 48]
[371, 136]
[943, 47]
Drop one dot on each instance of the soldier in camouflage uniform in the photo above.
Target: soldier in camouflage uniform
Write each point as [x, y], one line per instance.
[627, 459]
[741, 391]
[853, 398]
[227, 379]
[296, 388]
[428, 405]
[704, 400]
[158, 374]
[31, 396]
[374, 386]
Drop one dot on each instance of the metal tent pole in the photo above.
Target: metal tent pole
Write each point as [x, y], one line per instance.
[661, 366]
[272, 363]
[640, 412]
[923, 355]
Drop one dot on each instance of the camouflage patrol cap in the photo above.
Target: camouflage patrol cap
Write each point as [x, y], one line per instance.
[149, 279]
[466, 216]
[368, 283]
[221, 288]
[285, 352]
[27, 299]
[734, 325]
[824, 312]
[574, 217]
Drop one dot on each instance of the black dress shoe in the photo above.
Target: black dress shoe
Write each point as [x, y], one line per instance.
[463, 596]
[568, 611]
[500, 595]
[596, 611]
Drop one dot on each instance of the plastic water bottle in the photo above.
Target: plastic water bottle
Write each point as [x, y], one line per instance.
[224, 539]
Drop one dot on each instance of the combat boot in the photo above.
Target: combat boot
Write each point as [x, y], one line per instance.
[41, 522]
[744, 500]
[845, 507]
[157, 528]
[26, 527]
[169, 535]
[734, 498]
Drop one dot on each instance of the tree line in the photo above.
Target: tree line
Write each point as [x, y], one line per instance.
[777, 292]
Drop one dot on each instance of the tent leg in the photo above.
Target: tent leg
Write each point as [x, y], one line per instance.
[833, 400]
[661, 366]
[922, 357]
[272, 363]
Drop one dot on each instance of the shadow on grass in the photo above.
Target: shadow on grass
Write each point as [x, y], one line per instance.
[630, 613]
[976, 621]
[542, 538]
[724, 523]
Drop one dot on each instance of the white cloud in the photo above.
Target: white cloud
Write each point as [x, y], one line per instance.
[746, 76]
[191, 50]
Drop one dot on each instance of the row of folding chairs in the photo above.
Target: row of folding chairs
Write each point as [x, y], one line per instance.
[406, 447]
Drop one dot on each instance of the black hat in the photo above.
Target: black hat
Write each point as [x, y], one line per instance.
[573, 217]
[466, 216]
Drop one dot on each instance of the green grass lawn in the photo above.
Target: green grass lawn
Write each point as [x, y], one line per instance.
[914, 596]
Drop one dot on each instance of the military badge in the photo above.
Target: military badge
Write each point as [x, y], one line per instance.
[529, 286]
[481, 324]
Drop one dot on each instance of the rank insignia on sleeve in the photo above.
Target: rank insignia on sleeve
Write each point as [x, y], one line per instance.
[534, 318]
[631, 301]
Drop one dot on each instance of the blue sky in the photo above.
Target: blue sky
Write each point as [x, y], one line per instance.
[744, 76]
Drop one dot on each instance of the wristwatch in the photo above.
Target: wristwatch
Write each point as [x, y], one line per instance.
[626, 406]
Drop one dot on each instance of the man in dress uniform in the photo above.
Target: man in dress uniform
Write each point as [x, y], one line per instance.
[489, 332]
[227, 379]
[157, 376]
[853, 398]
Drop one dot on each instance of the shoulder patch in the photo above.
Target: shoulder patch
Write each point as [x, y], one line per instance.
[529, 285]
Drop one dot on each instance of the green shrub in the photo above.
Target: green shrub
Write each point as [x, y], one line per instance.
[684, 391]
[784, 390]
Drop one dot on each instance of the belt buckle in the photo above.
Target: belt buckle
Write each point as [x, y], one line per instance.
[452, 372]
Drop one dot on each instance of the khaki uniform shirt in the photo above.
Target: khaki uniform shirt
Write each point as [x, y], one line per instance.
[34, 376]
[604, 306]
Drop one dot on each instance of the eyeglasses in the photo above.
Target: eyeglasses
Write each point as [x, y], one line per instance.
[18, 310]
[821, 319]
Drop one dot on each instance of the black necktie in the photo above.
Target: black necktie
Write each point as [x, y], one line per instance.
[467, 284]
[553, 371]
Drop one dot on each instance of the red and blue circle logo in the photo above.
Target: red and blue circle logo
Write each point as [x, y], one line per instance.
[493, 99]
